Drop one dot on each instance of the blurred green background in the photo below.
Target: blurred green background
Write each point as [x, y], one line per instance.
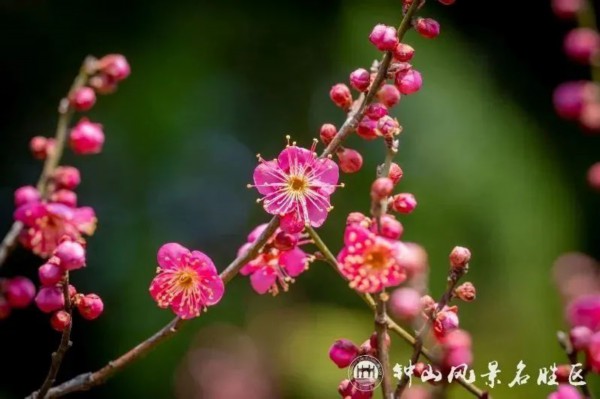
[213, 83]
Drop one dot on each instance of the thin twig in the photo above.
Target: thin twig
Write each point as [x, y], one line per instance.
[391, 324]
[53, 159]
[565, 343]
[63, 347]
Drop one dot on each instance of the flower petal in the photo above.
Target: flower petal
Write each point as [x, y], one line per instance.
[291, 157]
[266, 175]
[256, 232]
[317, 211]
[326, 172]
[263, 280]
[291, 223]
[170, 255]
[294, 262]
[30, 212]
[84, 219]
[158, 287]
[201, 262]
[213, 290]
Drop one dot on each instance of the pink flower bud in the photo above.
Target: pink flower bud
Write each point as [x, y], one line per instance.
[428, 304]
[389, 228]
[357, 218]
[381, 188]
[466, 292]
[41, 147]
[343, 352]
[327, 133]
[350, 160]
[403, 52]
[60, 320]
[26, 195]
[409, 82]
[567, 9]
[50, 274]
[285, 242]
[563, 371]
[71, 255]
[456, 339]
[5, 308]
[376, 111]
[569, 99]
[582, 44]
[387, 342]
[72, 291]
[86, 137]
[457, 357]
[345, 389]
[50, 299]
[291, 223]
[446, 321]
[385, 38]
[403, 203]
[367, 129]
[389, 95]
[103, 84]
[82, 99]
[19, 292]
[66, 197]
[447, 2]
[367, 349]
[396, 173]
[389, 127]
[360, 79]
[67, 177]
[580, 337]
[459, 258]
[341, 96]
[405, 304]
[565, 391]
[90, 306]
[115, 66]
[593, 176]
[427, 27]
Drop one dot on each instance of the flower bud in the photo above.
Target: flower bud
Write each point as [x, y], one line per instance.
[396, 173]
[25, 195]
[50, 299]
[403, 203]
[285, 242]
[350, 160]
[376, 111]
[593, 176]
[459, 258]
[327, 133]
[103, 84]
[466, 292]
[590, 117]
[593, 352]
[5, 308]
[580, 337]
[66, 197]
[582, 44]
[90, 306]
[405, 304]
[67, 177]
[343, 352]
[86, 138]
[457, 357]
[457, 339]
[403, 52]
[385, 38]
[427, 27]
[381, 188]
[115, 66]
[341, 96]
[60, 320]
[409, 82]
[562, 373]
[357, 218]
[71, 255]
[367, 349]
[82, 99]
[387, 342]
[389, 127]
[565, 391]
[389, 227]
[345, 389]
[19, 292]
[567, 9]
[389, 95]
[41, 147]
[360, 79]
[445, 321]
[569, 99]
[50, 274]
[367, 129]
[428, 304]
[291, 223]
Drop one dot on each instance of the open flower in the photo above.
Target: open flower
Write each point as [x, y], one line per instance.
[187, 281]
[46, 224]
[297, 185]
[371, 262]
[277, 263]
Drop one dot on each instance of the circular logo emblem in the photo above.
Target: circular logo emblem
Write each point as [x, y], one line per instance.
[365, 373]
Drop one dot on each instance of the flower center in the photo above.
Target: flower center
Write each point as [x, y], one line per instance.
[297, 183]
[186, 278]
[377, 258]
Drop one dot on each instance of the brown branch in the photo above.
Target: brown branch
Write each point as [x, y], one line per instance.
[65, 113]
[565, 343]
[63, 347]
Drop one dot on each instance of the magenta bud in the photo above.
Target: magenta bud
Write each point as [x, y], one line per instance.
[41, 147]
[459, 258]
[50, 274]
[376, 111]
[567, 9]
[396, 173]
[20, 291]
[389, 227]
[427, 27]
[343, 352]
[360, 79]
[367, 129]
[385, 38]
[90, 306]
[86, 138]
[71, 255]
[327, 133]
[582, 44]
[350, 161]
[60, 320]
[5, 308]
[381, 188]
[50, 299]
[341, 96]
[389, 127]
[409, 82]
[67, 177]
[580, 337]
[25, 195]
[285, 242]
[82, 99]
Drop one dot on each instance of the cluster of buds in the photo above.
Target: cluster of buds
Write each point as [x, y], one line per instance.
[579, 100]
[68, 256]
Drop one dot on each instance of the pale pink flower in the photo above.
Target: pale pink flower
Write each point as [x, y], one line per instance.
[46, 224]
[273, 267]
[187, 281]
[297, 184]
[371, 262]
